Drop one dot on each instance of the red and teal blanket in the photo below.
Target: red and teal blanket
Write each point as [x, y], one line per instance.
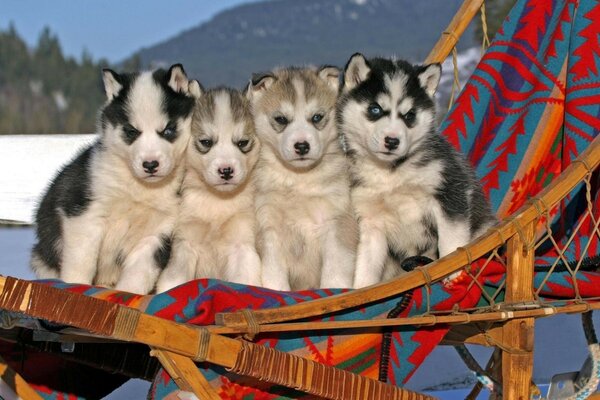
[531, 106]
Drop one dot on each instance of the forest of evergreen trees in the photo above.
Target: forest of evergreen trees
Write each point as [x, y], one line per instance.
[43, 91]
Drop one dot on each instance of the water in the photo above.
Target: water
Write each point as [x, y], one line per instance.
[15, 245]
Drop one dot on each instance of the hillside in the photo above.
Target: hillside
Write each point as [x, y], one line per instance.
[44, 91]
[257, 36]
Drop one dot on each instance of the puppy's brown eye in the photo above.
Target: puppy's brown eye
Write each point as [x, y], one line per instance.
[281, 120]
[243, 143]
[410, 116]
[206, 143]
[130, 132]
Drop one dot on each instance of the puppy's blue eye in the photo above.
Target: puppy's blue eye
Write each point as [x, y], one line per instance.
[375, 110]
[281, 120]
[317, 118]
[168, 132]
[206, 143]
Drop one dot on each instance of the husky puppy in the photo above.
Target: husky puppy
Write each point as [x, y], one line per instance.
[413, 193]
[307, 235]
[108, 216]
[215, 232]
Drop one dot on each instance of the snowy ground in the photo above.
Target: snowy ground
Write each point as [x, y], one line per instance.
[27, 164]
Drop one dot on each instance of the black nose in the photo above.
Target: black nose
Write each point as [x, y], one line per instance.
[391, 143]
[302, 148]
[226, 173]
[150, 166]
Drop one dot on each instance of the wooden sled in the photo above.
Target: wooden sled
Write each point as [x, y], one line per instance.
[505, 323]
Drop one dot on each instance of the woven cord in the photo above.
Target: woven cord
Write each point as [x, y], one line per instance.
[456, 80]
[481, 375]
[485, 43]
[386, 341]
[594, 348]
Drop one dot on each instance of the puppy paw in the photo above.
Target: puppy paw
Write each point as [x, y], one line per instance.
[410, 263]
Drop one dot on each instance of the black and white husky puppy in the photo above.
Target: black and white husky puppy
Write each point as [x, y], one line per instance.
[215, 232]
[108, 216]
[307, 234]
[413, 193]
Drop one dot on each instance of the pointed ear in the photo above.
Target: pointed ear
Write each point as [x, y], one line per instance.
[195, 89]
[356, 71]
[178, 80]
[258, 84]
[112, 83]
[429, 78]
[331, 75]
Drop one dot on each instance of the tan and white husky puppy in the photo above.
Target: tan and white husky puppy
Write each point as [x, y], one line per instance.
[215, 232]
[307, 235]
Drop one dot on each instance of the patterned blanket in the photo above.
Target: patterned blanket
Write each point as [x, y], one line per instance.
[531, 106]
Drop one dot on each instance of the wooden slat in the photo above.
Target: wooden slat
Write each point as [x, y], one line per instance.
[184, 340]
[186, 374]
[437, 270]
[517, 349]
[454, 31]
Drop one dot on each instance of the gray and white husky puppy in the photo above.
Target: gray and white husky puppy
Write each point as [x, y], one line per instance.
[215, 232]
[108, 216]
[413, 193]
[307, 233]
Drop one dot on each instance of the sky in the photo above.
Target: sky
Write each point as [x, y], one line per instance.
[108, 29]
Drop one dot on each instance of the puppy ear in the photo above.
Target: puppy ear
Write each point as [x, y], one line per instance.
[112, 83]
[331, 75]
[429, 78]
[356, 71]
[195, 89]
[258, 84]
[178, 80]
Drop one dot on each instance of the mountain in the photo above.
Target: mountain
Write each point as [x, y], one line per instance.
[258, 36]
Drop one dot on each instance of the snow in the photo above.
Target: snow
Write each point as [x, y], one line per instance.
[27, 164]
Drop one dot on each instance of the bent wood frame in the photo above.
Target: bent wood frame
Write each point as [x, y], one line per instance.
[177, 346]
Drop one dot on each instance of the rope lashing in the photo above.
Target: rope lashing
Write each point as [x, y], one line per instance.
[456, 80]
[203, 345]
[484, 29]
[253, 326]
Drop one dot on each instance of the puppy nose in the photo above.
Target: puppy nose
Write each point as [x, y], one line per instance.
[150, 166]
[226, 173]
[391, 143]
[302, 148]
